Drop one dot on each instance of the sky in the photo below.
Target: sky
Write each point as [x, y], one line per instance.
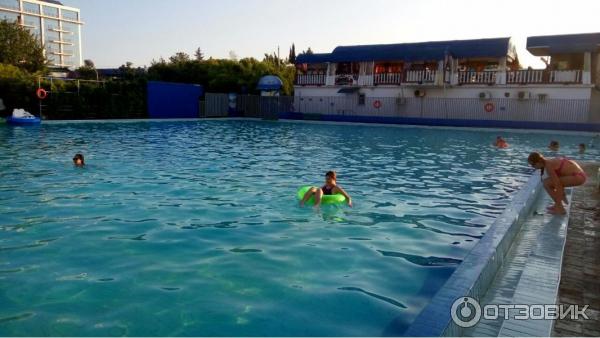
[139, 31]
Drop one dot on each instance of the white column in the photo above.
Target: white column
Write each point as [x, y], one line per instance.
[454, 72]
[439, 75]
[501, 74]
[587, 68]
[330, 79]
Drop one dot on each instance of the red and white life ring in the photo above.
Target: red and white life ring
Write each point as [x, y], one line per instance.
[41, 93]
[489, 107]
[377, 104]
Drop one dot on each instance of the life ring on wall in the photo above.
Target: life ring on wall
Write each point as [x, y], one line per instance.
[489, 107]
[377, 104]
[41, 93]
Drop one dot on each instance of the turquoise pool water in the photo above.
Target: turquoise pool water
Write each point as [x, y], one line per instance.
[192, 228]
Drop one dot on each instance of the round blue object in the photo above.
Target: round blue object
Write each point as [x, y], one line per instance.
[23, 121]
[269, 82]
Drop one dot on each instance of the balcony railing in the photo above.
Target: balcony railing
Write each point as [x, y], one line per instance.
[525, 76]
[522, 77]
[388, 79]
[310, 79]
[485, 77]
[420, 76]
[565, 76]
[533, 76]
[346, 79]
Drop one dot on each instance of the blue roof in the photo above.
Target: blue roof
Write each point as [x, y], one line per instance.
[557, 44]
[420, 51]
[269, 82]
[313, 58]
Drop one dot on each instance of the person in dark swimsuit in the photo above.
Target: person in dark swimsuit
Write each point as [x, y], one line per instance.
[562, 173]
[330, 188]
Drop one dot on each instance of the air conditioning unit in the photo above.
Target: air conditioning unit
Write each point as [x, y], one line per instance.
[485, 95]
[420, 93]
[401, 101]
[524, 95]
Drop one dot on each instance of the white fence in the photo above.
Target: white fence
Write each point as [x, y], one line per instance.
[498, 109]
[502, 109]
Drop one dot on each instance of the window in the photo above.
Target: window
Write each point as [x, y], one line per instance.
[30, 20]
[51, 11]
[10, 4]
[361, 99]
[69, 15]
[10, 17]
[31, 8]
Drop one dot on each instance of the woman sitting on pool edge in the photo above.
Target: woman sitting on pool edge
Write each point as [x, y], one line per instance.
[562, 173]
[330, 188]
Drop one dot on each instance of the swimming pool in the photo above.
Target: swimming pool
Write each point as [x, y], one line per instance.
[192, 227]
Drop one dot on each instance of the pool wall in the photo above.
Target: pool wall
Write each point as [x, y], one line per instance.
[594, 127]
[477, 271]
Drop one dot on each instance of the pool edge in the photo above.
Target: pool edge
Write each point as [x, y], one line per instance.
[475, 274]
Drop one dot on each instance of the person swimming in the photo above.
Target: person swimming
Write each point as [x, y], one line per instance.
[562, 173]
[329, 188]
[78, 160]
[500, 142]
[554, 145]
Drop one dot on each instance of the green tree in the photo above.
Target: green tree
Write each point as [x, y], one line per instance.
[18, 47]
[88, 70]
[179, 57]
[292, 57]
[198, 54]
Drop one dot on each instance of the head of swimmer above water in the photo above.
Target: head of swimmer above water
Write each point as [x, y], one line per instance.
[78, 160]
[330, 178]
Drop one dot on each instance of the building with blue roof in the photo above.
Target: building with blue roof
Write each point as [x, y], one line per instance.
[459, 79]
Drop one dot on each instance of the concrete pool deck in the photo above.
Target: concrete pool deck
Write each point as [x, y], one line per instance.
[580, 278]
[543, 252]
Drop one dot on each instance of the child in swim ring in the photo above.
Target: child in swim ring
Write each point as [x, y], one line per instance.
[562, 173]
[330, 188]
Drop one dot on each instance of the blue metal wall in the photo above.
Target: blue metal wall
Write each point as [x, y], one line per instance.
[173, 100]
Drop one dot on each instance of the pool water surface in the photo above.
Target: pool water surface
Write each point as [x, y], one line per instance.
[193, 227]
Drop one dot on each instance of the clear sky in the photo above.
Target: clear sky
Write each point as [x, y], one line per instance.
[139, 31]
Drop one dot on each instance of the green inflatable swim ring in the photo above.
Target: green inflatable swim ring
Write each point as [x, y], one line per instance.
[326, 199]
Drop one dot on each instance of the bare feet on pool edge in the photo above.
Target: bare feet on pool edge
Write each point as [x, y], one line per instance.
[557, 211]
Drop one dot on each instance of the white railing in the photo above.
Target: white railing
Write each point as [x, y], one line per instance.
[528, 76]
[525, 76]
[420, 76]
[310, 79]
[488, 77]
[388, 78]
[346, 79]
[565, 76]
[365, 80]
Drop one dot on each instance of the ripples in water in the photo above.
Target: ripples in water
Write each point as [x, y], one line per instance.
[196, 223]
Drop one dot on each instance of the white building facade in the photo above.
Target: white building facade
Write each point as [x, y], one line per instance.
[477, 80]
[56, 26]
